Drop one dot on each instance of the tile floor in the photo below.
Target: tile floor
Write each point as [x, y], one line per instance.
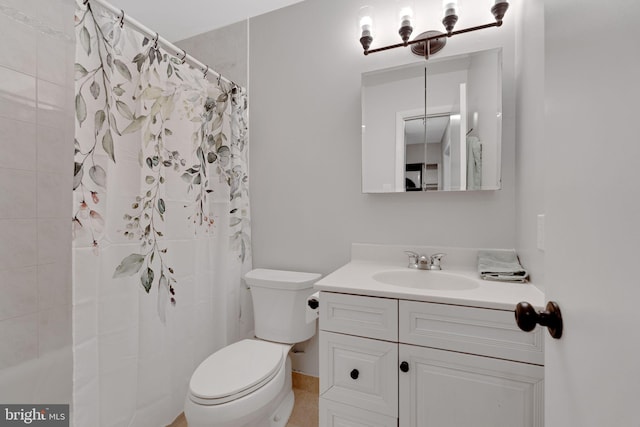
[305, 410]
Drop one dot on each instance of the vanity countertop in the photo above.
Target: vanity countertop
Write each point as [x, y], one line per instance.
[356, 277]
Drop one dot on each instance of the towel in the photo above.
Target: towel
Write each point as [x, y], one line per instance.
[474, 163]
[501, 265]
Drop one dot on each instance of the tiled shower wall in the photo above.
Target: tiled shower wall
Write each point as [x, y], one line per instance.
[36, 167]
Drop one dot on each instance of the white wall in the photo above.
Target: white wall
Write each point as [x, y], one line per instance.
[223, 50]
[305, 137]
[307, 205]
[531, 143]
[36, 167]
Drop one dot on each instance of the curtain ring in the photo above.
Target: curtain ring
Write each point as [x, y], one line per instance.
[205, 71]
[155, 41]
[219, 77]
[184, 56]
[121, 23]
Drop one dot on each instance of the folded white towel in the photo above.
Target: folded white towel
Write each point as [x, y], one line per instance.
[501, 265]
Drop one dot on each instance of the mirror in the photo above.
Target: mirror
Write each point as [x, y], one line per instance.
[434, 125]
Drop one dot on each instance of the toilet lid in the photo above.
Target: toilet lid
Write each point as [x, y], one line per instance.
[237, 368]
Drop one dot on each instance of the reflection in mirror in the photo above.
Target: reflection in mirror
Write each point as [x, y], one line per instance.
[424, 144]
[451, 142]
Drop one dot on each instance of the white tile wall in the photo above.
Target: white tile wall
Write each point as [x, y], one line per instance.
[18, 94]
[18, 44]
[18, 189]
[54, 329]
[52, 109]
[17, 145]
[18, 243]
[56, 14]
[19, 292]
[54, 197]
[54, 285]
[54, 240]
[36, 167]
[50, 50]
[19, 337]
[51, 142]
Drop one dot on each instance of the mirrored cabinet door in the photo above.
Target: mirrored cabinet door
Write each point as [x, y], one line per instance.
[434, 125]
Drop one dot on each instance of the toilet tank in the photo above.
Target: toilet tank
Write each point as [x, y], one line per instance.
[279, 304]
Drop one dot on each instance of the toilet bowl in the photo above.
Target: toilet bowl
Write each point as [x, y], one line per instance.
[245, 384]
[248, 383]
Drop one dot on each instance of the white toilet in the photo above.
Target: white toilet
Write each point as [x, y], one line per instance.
[248, 383]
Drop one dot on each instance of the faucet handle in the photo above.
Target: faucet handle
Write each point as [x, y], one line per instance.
[435, 261]
[413, 259]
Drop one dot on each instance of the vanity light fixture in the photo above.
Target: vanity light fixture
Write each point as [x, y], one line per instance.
[429, 42]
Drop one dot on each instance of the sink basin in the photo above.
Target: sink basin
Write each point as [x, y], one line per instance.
[424, 279]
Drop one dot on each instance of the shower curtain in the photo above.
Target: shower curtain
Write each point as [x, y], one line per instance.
[160, 221]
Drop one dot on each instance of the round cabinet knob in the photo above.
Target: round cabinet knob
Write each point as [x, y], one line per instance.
[527, 318]
[355, 374]
[404, 367]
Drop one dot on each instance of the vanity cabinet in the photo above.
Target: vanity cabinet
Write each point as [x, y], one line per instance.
[389, 362]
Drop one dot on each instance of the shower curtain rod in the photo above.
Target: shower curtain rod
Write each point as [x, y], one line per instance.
[154, 36]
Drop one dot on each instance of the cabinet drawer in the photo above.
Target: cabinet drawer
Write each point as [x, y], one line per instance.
[470, 330]
[360, 372]
[357, 315]
[334, 414]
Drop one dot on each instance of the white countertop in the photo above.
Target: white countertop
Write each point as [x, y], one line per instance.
[356, 277]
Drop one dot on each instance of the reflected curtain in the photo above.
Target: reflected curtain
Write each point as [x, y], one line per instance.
[160, 220]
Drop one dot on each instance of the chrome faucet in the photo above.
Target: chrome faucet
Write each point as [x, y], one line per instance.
[423, 262]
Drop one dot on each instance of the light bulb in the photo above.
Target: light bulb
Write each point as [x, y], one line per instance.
[366, 28]
[450, 14]
[450, 7]
[406, 14]
[366, 22]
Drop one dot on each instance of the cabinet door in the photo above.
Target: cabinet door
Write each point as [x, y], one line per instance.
[449, 389]
[359, 371]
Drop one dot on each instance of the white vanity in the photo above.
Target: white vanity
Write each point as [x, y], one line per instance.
[437, 349]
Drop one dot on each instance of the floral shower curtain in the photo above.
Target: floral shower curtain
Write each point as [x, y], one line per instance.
[160, 221]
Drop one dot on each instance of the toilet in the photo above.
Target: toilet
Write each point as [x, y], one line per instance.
[248, 383]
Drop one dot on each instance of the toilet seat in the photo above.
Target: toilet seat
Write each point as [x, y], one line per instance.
[236, 371]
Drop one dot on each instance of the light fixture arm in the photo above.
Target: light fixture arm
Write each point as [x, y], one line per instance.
[412, 42]
[439, 39]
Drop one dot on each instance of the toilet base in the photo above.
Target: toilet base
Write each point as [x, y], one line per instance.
[280, 416]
